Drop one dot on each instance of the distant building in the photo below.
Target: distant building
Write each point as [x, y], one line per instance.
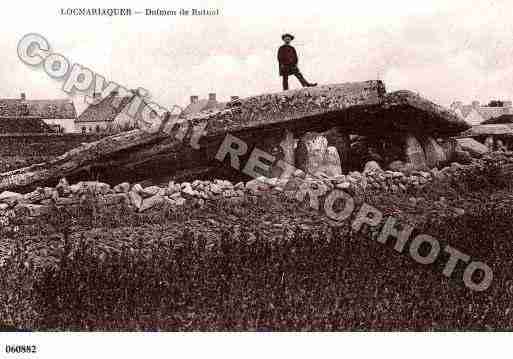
[474, 114]
[22, 115]
[110, 114]
[196, 105]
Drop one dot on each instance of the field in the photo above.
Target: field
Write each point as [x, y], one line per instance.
[264, 263]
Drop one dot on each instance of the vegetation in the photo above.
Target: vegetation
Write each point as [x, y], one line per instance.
[265, 263]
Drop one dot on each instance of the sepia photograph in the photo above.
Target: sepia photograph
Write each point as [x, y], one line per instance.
[222, 169]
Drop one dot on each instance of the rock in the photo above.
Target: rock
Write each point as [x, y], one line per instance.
[122, 187]
[63, 201]
[230, 193]
[341, 141]
[173, 187]
[92, 187]
[150, 191]
[459, 211]
[332, 164]
[75, 188]
[135, 198]
[299, 173]
[313, 155]
[500, 146]
[355, 174]
[215, 188]
[475, 148]
[463, 157]
[11, 198]
[286, 153]
[257, 185]
[450, 146]
[435, 154]
[175, 195]
[117, 198]
[414, 153]
[32, 210]
[371, 167]
[35, 196]
[137, 188]
[63, 187]
[179, 201]
[187, 189]
[343, 185]
[489, 143]
[55, 195]
[224, 184]
[151, 202]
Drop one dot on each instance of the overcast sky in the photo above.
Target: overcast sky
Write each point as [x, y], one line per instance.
[446, 52]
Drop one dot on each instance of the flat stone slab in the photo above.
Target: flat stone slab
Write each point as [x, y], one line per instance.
[403, 111]
[489, 130]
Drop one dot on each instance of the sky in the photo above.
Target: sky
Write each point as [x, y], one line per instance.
[445, 51]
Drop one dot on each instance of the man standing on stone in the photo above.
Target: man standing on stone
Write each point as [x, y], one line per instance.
[287, 58]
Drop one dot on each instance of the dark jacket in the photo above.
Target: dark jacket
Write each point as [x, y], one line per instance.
[287, 58]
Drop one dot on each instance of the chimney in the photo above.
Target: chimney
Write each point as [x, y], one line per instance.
[194, 99]
[23, 96]
[212, 96]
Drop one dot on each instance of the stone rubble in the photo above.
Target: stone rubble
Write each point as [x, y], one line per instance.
[372, 179]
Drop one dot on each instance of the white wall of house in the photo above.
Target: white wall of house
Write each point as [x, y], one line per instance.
[474, 118]
[90, 127]
[68, 124]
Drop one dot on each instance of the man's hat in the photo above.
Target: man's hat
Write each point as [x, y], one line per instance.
[287, 35]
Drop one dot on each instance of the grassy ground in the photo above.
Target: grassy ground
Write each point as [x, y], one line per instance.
[266, 263]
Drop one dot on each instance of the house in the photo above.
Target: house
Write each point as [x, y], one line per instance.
[22, 116]
[111, 114]
[196, 105]
[101, 116]
[475, 113]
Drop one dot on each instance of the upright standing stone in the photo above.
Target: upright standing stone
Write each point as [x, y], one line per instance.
[450, 147]
[414, 153]
[313, 155]
[286, 153]
[489, 143]
[435, 155]
[332, 166]
[341, 141]
[310, 152]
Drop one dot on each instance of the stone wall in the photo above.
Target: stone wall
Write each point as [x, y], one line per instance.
[140, 199]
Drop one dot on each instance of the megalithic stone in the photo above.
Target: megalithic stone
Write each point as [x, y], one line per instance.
[435, 155]
[414, 153]
[310, 152]
[450, 147]
[286, 153]
[139, 152]
[340, 140]
[332, 166]
[362, 107]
